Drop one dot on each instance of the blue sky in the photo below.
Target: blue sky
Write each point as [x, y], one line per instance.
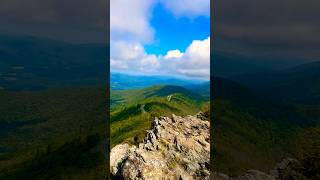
[175, 32]
[161, 37]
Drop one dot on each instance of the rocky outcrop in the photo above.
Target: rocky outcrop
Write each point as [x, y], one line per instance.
[286, 169]
[255, 175]
[249, 175]
[175, 148]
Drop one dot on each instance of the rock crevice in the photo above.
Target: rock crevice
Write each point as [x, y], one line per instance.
[175, 148]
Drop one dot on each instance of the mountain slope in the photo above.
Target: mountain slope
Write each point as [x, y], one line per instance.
[202, 89]
[132, 110]
[52, 134]
[251, 130]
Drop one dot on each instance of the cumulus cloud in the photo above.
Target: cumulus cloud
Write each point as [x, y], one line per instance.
[130, 20]
[132, 58]
[150, 63]
[125, 50]
[193, 63]
[131, 30]
[189, 8]
[173, 54]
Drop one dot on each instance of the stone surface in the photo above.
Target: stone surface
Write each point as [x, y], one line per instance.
[286, 169]
[175, 148]
[255, 175]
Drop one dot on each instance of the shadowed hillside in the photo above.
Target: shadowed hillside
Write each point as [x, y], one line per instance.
[254, 130]
[52, 134]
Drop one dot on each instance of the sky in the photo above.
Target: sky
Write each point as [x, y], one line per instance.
[76, 21]
[251, 27]
[288, 28]
[160, 37]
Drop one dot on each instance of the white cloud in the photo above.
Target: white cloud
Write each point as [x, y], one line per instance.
[131, 57]
[195, 62]
[126, 50]
[173, 54]
[118, 65]
[130, 20]
[131, 30]
[188, 8]
[150, 64]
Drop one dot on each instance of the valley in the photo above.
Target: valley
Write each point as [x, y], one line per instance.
[129, 121]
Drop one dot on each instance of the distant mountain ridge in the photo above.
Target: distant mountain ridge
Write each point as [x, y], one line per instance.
[160, 91]
[31, 63]
[300, 83]
[122, 81]
[226, 64]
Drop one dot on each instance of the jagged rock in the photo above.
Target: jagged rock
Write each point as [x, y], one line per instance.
[249, 175]
[175, 148]
[220, 176]
[255, 175]
[119, 152]
[203, 115]
[288, 169]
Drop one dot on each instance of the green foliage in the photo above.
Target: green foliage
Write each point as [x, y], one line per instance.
[53, 134]
[308, 152]
[253, 130]
[71, 158]
[133, 110]
[243, 141]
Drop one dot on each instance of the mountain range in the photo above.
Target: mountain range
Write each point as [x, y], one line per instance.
[300, 84]
[263, 113]
[31, 63]
[260, 113]
[225, 64]
[121, 81]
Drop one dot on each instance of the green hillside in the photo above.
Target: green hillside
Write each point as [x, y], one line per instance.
[133, 110]
[246, 141]
[53, 134]
[251, 130]
[304, 90]
[60, 134]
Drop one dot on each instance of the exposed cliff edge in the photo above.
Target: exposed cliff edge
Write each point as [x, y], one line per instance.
[175, 148]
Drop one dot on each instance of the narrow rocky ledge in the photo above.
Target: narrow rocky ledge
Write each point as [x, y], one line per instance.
[175, 148]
